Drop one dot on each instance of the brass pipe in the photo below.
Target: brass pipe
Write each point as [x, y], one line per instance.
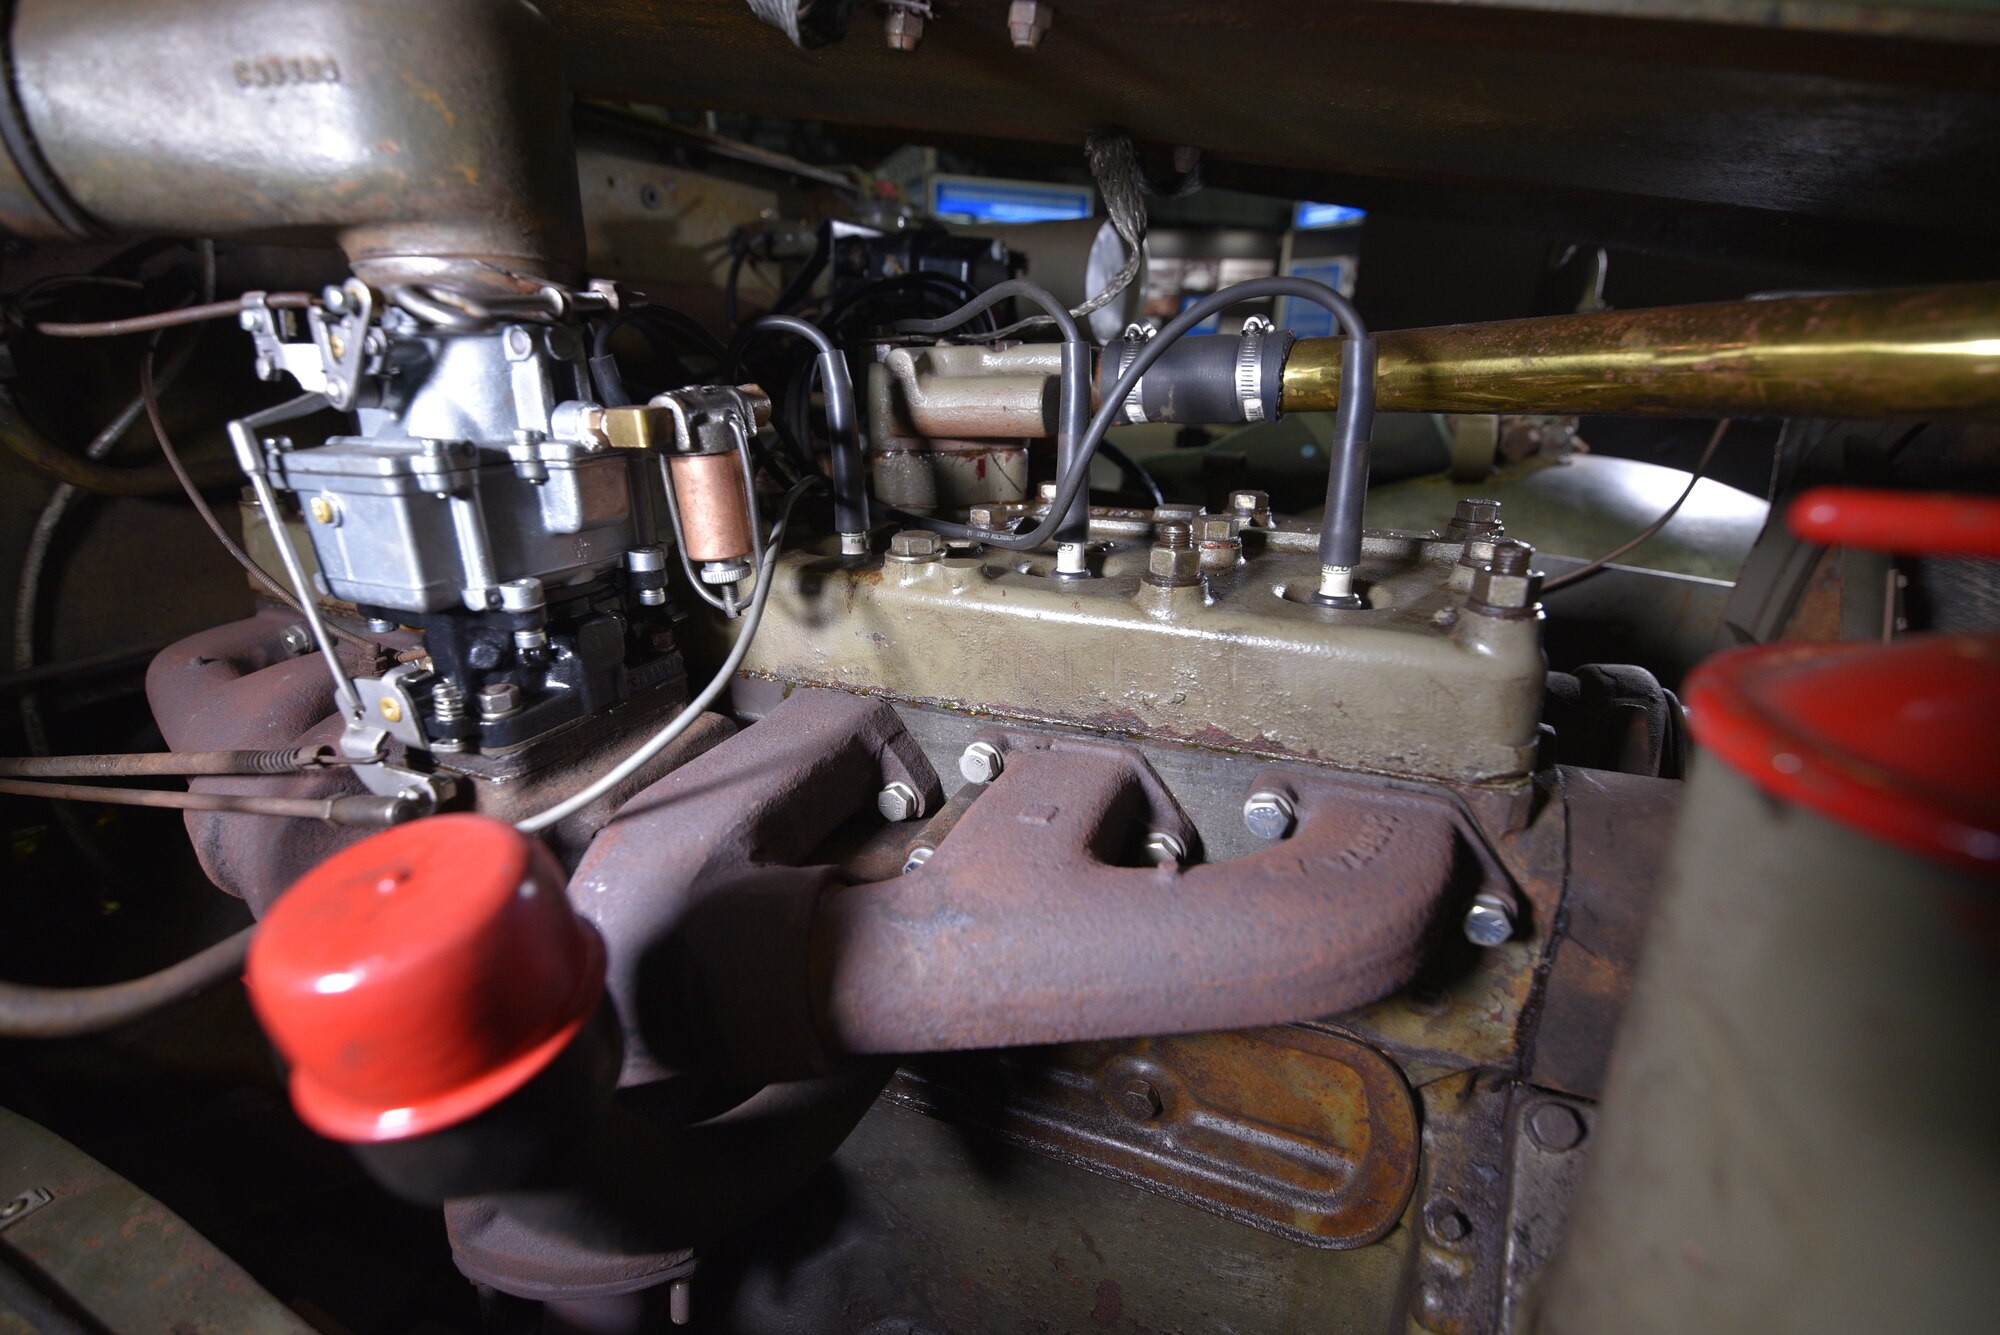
[1908, 353]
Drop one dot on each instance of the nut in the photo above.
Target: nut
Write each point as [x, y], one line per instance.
[500, 700]
[1175, 513]
[916, 545]
[1503, 590]
[903, 28]
[1214, 528]
[981, 763]
[983, 516]
[1173, 566]
[1490, 920]
[1255, 505]
[1139, 1099]
[1269, 815]
[1046, 492]
[1164, 850]
[1027, 20]
[899, 802]
[1474, 518]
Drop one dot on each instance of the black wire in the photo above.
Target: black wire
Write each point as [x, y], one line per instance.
[1356, 400]
[1133, 469]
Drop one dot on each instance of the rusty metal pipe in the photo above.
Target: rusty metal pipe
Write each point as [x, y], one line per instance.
[999, 941]
[1908, 353]
[431, 141]
[724, 952]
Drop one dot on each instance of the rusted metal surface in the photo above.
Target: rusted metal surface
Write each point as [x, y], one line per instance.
[1026, 928]
[1241, 662]
[1459, 1213]
[1305, 1135]
[432, 141]
[928, 1226]
[1620, 826]
[696, 883]
[115, 1255]
[237, 686]
[1908, 353]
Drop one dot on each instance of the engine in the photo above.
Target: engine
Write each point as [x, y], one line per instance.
[757, 826]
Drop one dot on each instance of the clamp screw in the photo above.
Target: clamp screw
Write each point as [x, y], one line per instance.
[1164, 850]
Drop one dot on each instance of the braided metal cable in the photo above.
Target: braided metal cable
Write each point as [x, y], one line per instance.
[1115, 164]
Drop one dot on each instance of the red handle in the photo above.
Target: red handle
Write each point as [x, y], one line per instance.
[1904, 523]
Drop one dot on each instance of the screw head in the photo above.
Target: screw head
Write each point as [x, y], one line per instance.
[918, 857]
[391, 711]
[1140, 1099]
[899, 802]
[1556, 1127]
[1489, 921]
[916, 544]
[1249, 502]
[1474, 510]
[519, 344]
[1269, 815]
[1164, 850]
[296, 639]
[981, 763]
[321, 510]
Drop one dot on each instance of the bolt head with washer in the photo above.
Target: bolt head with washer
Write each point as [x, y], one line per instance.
[981, 763]
[1269, 815]
[899, 802]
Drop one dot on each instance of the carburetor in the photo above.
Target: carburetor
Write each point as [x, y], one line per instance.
[490, 505]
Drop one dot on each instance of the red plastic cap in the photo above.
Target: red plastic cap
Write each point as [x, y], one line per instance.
[421, 976]
[1907, 523]
[1901, 741]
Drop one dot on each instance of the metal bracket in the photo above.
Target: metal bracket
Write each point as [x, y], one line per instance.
[14, 1211]
[340, 327]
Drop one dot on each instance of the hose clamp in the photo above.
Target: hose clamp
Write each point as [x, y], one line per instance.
[1250, 368]
[1136, 336]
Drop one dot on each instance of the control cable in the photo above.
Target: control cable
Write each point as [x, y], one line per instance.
[67, 1012]
[1596, 564]
[724, 675]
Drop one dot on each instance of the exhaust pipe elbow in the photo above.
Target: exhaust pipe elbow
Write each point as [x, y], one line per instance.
[431, 142]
